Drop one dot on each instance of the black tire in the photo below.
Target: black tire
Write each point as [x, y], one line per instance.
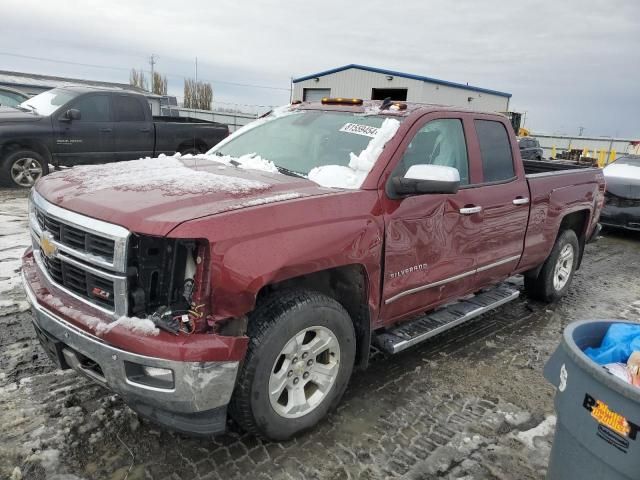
[543, 287]
[190, 151]
[26, 160]
[271, 326]
[538, 157]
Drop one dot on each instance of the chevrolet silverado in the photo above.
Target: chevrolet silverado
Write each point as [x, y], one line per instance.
[255, 279]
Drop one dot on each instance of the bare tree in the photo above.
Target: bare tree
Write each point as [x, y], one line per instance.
[197, 94]
[137, 79]
[159, 84]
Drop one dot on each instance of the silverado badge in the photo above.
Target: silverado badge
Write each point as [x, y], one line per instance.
[47, 247]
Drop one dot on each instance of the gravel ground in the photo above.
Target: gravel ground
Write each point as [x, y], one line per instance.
[471, 404]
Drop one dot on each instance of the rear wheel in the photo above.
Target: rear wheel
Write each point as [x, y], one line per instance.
[557, 272]
[22, 168]
[298, 364]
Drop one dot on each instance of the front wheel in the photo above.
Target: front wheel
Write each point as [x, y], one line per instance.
[22, 168]
[557, 272]
[299, 361]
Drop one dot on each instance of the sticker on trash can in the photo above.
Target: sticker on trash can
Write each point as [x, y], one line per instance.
[563, 378]
[617, 428]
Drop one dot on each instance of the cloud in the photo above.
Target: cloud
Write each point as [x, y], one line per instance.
[568, 64]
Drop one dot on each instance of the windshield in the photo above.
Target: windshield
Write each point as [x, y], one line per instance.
[302, 141]
[48, 102]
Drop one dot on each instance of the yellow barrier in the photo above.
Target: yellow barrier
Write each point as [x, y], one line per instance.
[553, 152]
[612, 156]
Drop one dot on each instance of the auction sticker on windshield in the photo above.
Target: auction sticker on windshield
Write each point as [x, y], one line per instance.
[358, 129]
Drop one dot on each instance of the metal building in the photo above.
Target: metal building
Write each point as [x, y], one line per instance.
[369, 83]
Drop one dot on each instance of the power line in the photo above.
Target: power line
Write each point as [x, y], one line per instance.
[111, 67]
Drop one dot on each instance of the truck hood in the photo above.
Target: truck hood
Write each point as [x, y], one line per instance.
[13, 115]
[153, 196]
[623, 180]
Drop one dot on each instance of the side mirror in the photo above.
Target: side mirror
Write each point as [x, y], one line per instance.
[423, 179]
[72, 114]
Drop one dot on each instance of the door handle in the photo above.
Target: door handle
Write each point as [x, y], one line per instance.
[520, 201]
[106, 130]
[470, 210]
[145, 130]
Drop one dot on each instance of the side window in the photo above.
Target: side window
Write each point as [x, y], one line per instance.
[93, 108]
[439, 142]
[128, 109]
[495, 150]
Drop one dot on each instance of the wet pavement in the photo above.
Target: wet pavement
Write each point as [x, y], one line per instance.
[471, 404]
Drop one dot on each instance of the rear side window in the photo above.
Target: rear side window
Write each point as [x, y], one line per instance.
[128, 109]
[93, 108]
[495, 150]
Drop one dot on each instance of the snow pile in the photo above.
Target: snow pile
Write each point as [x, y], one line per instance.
[274, 198]
[543, 430]
[250, 161]
[351, 177]
[167, 174]
[142, 326]
[100, 327]
[622, 170]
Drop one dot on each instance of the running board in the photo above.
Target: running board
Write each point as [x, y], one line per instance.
[434, 323]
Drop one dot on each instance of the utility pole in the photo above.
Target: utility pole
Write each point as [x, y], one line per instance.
[152, 62]
[581, 129]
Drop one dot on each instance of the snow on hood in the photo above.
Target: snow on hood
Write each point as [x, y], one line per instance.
[166, 174]
[250, 161]
[622, 170]
[351, 177]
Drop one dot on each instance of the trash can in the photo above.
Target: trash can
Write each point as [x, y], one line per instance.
[597, 432]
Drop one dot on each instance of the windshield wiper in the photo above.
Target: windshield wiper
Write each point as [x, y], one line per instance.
[291, 173]
[33, 109]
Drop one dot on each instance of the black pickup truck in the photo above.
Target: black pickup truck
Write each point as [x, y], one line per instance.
[81, 125]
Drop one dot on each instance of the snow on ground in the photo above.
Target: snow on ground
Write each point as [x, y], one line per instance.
[14, 239]
[167, 174]
[360, 165]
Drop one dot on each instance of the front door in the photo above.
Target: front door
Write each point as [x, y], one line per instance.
[430, 240]
[88, 139]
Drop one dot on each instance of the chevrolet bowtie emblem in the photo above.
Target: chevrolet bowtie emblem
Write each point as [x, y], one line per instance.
[47, 247]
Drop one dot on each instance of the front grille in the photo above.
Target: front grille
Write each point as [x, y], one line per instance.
[76, 238]
[83, 256]
[81, 282]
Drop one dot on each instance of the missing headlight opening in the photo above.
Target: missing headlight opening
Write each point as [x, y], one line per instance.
[163, 275]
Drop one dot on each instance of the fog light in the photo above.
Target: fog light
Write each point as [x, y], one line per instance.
[147, 376]
[159, 373]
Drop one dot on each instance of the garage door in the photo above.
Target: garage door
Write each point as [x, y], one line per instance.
[315, 94]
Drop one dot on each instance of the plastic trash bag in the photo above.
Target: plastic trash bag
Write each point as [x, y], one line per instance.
[620, 341]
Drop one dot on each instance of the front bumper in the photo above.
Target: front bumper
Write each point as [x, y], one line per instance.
[195, 403]
[627, 217]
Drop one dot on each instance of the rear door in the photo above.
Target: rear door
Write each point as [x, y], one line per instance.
[89, 139]
[133, 127]
[503, 199]
[430, 243]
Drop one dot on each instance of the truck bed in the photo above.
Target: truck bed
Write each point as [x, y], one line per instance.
[535, 167]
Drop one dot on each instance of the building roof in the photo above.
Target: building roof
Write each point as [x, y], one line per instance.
[404, 75]
[47, 81]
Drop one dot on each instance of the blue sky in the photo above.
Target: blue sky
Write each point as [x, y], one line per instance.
[568, 64]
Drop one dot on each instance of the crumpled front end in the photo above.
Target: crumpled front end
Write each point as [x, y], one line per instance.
[89, 315]
[620, 212]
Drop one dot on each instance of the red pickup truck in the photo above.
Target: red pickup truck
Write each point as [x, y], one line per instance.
[255, 278]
